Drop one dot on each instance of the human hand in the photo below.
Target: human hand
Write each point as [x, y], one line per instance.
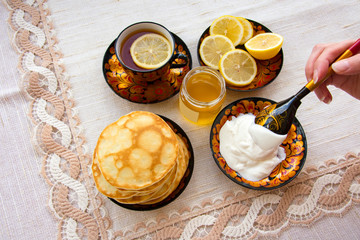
[347, 71]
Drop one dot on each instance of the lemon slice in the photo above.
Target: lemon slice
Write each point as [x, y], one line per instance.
[228, 26]
[238, 67]
[150, 51]
[248, 29]
[265, 45]
[212, 48]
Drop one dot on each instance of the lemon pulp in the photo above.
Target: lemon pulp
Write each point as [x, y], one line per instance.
[238, 67]
[213, 48]
[151, 51]
[228, 26]
[264, 46]
[248, 29]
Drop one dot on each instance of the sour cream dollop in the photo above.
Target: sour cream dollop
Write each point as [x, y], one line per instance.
[250, 149]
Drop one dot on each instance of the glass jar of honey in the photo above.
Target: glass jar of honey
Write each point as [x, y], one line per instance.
[201, 95]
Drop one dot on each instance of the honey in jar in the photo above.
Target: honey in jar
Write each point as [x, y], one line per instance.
[202, 94]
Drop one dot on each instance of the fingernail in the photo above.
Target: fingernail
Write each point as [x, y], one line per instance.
[341, 66]
[315, 76]
[327, 100]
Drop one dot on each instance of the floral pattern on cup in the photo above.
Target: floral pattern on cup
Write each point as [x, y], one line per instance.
[126, 38]
[295, 146]
[165, 86]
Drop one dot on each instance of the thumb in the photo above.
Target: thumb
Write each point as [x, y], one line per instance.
[348, 66]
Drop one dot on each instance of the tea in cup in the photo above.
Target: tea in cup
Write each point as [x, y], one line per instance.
[145, 50]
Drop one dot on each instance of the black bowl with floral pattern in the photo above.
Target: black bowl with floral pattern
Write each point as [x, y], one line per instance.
[295, 146]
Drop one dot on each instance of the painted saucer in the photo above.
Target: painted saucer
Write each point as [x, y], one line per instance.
[295, 146]
[184, 181]
[144, 92]
[267, 71]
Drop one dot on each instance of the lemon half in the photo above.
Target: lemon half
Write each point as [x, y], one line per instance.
[238, 67]
[151, 51]
[265, 45]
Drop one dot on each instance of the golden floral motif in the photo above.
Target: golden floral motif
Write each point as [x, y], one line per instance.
[291, 135]
[158, 91]
[258, 29]
[180, 49]
[293, 146]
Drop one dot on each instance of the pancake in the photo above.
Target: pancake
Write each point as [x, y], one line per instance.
[139, 159]
[105, 187]
[183, 162]
[169, 186]
[137, 151]
[141, 197]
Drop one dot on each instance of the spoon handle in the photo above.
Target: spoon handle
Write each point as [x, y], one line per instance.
[354, 49]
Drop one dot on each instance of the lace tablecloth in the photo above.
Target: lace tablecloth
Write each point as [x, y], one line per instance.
[55, 103]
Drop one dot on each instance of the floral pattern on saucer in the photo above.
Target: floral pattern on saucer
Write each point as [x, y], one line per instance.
[268, 70]
[295, 146]
[143, 91]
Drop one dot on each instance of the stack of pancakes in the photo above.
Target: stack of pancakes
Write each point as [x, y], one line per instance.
[139, 159]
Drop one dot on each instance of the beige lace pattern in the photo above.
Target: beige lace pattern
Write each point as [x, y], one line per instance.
[78, 208]
[56, 128]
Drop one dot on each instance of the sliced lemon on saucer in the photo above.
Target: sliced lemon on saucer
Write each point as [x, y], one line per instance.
[265, 45]
[151, 51]
[228, 26]
[213, 47]
[248, 29]
[238, 67]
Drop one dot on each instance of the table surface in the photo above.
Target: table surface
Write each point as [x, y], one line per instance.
[55, 102]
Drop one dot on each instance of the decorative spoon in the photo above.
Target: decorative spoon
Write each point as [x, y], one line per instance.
[279, 117]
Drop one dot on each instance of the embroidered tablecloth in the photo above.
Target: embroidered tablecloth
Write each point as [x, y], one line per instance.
[55, 102]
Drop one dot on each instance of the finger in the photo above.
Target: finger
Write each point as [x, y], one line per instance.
[348, 83]
[309, 67]
[328, 56]
[323, 93]
[349, 66]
